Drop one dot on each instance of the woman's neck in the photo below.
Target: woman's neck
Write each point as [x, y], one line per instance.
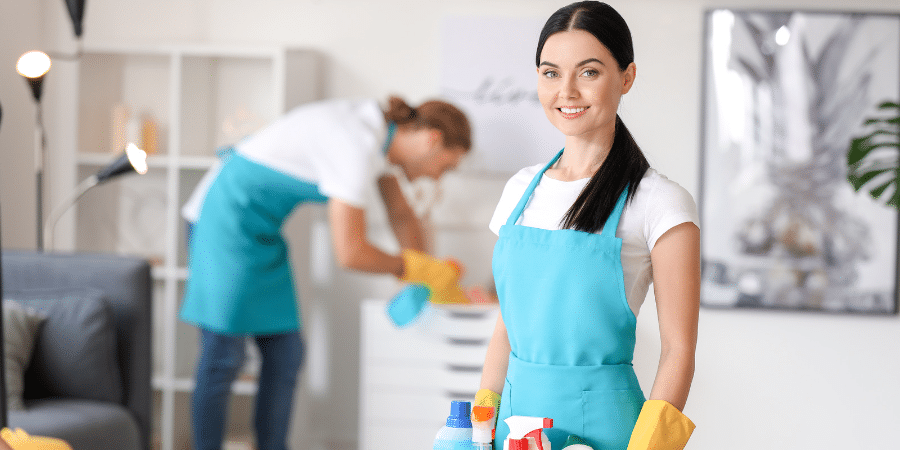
[581, 158]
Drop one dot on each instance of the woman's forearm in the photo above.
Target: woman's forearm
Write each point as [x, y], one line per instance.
[496, 361]
[674, 376]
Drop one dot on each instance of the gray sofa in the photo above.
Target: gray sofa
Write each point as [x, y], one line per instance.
[88, 386]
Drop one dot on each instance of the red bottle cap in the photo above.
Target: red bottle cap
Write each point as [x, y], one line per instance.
[518, 444]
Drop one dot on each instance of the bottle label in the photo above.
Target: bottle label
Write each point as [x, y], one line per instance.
[445, 444]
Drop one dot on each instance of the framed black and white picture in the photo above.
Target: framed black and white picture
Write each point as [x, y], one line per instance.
[785, 93]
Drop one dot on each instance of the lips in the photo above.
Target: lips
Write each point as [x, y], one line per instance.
[572, 112]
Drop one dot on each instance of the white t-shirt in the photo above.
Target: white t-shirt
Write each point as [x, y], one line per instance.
[334, 144]
[658, 205]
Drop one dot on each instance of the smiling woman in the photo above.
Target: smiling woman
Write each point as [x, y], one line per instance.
[580, 239]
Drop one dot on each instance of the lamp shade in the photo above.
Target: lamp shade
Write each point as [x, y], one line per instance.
[76, 13]
[33, 66]
[134, 160]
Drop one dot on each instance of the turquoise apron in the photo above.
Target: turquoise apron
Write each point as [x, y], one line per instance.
[240, 276]
[571, 331]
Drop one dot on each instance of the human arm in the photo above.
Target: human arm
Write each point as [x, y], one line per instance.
[405, 224]
[493, 374]
[676, 279]
[354, 251]
[496, 361]
[676, 276]
[351, 244]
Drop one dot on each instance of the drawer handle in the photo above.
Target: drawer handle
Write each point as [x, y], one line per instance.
[469, 342]
[463, 368]
[455, 395]
[466, 315]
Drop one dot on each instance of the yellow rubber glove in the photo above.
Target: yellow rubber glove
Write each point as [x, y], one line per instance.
[438, 275]
[487, 397]
[660, 426]
[20, 440]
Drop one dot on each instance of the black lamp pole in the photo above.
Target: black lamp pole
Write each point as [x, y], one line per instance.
[2, 344]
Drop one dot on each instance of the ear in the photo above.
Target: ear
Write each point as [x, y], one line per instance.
[628, 75]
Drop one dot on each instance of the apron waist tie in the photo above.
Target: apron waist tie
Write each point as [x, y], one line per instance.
[589, 378]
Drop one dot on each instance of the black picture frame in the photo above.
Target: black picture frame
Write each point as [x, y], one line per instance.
[783, 94]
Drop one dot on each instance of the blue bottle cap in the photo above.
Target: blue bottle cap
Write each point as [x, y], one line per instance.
[459, 415]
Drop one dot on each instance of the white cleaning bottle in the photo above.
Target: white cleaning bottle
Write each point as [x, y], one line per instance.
[521, 427]
[457, 433]
[483, 427]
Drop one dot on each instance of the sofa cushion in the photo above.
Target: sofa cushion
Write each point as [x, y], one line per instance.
[83, 424]
[75, 351]
[20, 327]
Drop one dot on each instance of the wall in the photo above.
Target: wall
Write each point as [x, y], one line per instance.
[763, 381]
[16, 137]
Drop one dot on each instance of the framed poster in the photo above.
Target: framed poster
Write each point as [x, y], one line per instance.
[784, 94]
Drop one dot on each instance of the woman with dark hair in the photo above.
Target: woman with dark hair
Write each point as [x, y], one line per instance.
[240, 284]
[580, 240]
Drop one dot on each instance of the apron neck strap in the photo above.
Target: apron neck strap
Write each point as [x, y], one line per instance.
[612, 222]
[517, 212]
[392, 129]
[609, 227]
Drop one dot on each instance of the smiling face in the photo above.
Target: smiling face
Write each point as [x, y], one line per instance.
[580, 84]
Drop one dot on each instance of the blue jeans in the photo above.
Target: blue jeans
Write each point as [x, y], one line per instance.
[221, 358]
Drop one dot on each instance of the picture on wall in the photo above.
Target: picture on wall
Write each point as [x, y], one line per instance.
[784, 95]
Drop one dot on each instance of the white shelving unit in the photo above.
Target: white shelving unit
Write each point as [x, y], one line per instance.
[200, 97]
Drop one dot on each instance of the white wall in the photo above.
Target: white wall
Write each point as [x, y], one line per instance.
[764, 380]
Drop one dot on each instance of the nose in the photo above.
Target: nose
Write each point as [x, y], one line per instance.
[567, 88]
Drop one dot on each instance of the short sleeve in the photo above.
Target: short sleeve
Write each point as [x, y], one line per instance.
[670, 205]
[512, 192]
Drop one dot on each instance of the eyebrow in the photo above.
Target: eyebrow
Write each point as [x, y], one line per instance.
[589, 60]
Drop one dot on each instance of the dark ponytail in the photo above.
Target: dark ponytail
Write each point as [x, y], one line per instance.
[624, 167]
[625, 164]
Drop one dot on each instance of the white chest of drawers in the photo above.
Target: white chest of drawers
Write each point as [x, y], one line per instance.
[409, 376]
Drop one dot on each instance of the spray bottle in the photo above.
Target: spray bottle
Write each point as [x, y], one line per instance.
[576, 443]
[483, 427]
[521, 427]
[457, 433]
[520, 444]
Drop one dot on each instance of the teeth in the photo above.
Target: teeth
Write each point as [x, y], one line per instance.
[572, 110]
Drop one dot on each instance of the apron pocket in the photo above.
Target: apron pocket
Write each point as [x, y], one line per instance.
[609, 417]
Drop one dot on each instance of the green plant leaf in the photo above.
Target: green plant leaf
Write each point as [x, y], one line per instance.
[858, 181]
[864, 166]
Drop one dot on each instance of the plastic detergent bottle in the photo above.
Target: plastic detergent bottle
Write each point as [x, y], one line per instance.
[576, 443]
[521, 427]
[482, 427]
[457, 433]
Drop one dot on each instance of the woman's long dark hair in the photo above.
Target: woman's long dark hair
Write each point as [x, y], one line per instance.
[625, 165]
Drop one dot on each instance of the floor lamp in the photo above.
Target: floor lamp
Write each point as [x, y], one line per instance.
[131, 161]
[2, 343]
[33, 66]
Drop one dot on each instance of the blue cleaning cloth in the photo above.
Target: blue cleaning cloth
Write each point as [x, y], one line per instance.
[407, 304]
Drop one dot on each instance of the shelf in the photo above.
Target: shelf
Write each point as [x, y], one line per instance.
[186, 385]
[160, 273]
[99, 159]
[200, 97]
